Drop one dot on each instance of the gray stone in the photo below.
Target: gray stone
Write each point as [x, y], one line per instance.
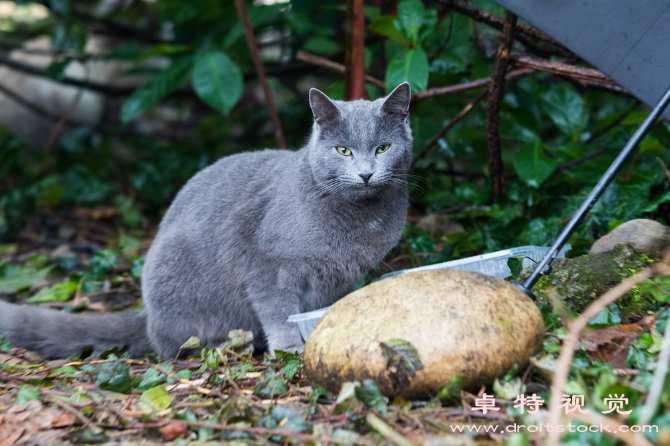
[646, 236]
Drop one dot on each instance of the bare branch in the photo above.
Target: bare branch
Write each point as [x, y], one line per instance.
[452, 122]
[496, 90]
[562, 69]
[260, 70]
[465, 86]
[333, 66]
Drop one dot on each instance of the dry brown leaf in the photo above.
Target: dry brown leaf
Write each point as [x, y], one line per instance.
[610, 344]
[32, 422]
[175, 430]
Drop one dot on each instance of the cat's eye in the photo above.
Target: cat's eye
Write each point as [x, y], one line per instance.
[383, 148]
[343, 150]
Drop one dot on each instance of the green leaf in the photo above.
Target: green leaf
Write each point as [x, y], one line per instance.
[514, 264]
[156, 89]
[270, 385]
[27, 393]
[115, 377]
[4, 344]
[346, 400]
[18, 279]
[57, 69]
[402, 361]
[368, 393]
[156, 399]
[151, 378]
[386, 26]
[217, 80]
[191, 343]
[452, 391]
[410, 16]
[412, 67]
[531, 164]
[565, 107]
[59, 292]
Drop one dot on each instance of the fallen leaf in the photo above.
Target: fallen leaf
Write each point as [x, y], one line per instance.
[175, 430]
[402, 361]
[610, 344]
[63, 420]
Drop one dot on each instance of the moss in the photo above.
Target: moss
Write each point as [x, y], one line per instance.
[579, 281]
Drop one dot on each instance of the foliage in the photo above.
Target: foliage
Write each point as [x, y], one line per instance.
[199, 97]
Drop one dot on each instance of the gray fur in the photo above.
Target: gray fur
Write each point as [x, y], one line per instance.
[258, 236]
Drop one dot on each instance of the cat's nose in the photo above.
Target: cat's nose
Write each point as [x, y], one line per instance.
[365, 176]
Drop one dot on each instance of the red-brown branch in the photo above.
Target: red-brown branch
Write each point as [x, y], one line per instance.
[354, 82]
[260, 71]
[465, 86]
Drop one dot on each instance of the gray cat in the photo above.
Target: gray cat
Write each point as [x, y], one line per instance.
[256, 237]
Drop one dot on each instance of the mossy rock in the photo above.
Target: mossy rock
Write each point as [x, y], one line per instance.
[578, 282]
[416, 332]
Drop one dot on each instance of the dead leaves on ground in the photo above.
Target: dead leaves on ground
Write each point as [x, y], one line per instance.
[610, 344]
[33, 422]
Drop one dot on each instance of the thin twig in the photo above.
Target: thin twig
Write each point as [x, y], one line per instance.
[496, 91]
[333, 66]
[596, 419]
[55, 131]
[665, 168]
[69, 408]
[465, 86]
[386, 431]
[562, 69]
[613, 124]
[20, 100]
[260, 71]
[572, 341]
[498, 23]
[659, 378]
[452, 122]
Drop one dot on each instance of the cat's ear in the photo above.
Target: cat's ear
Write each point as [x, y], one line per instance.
[323, 108]
[397, 103]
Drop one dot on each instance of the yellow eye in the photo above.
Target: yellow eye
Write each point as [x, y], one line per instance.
[383, 148]
[343, 150]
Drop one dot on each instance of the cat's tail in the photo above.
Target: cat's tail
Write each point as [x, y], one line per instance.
[56, 334]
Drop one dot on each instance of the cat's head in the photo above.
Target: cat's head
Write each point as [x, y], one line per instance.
[360, 148]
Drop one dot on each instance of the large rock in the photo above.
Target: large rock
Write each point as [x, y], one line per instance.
[646, 236]
[460, 322]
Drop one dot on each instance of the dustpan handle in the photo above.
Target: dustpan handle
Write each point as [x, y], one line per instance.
[544, 267]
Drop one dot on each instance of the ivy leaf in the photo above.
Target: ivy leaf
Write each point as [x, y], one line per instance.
[402, 361]
[27, 393]
[452, 391]
[156, 89]
[115, 377]
[59, 292]
[410, 16]
[531, 164]
[387, 25]
[368, 393]
[156, 399]
[565, 107]
[151, 378]
[412, 67]
[270, 385]
[217, 80]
